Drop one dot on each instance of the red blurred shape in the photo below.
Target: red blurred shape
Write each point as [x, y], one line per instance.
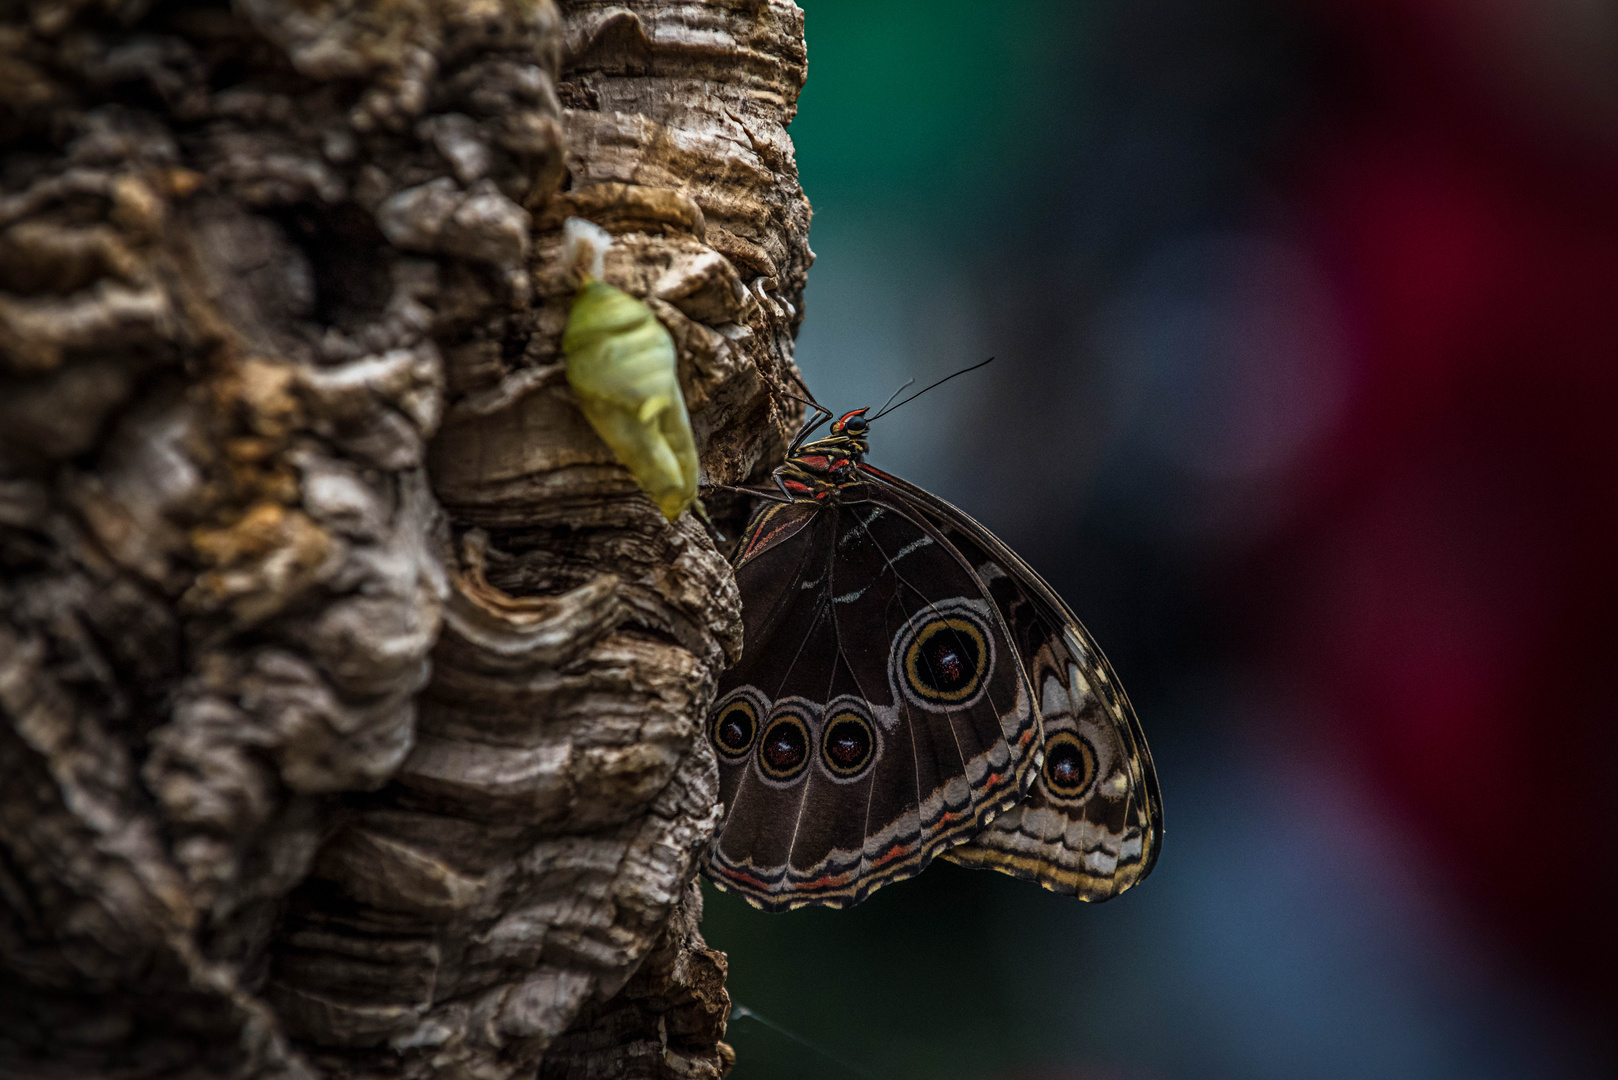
[1457, 584]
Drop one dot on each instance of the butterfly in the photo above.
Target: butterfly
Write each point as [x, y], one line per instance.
[909, 688]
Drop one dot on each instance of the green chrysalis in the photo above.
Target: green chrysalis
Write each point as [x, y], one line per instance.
[621, 365]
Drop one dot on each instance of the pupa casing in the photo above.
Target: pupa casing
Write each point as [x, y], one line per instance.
[621, 364]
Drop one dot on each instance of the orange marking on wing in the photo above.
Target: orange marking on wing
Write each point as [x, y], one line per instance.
[748, 879]
[892, 853]
[763, 537]
[829, 881]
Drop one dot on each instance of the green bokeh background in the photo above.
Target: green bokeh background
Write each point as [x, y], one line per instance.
[917, 110]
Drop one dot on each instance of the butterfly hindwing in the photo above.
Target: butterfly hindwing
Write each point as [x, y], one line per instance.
[880, 713]
[957, 686]
[1092, 821]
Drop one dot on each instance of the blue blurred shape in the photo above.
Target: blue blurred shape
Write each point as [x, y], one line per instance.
[1290, 931]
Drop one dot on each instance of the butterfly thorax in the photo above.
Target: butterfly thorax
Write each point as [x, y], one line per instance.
[815, 471]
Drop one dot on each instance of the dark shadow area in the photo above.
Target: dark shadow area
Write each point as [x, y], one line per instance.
[1303, 401]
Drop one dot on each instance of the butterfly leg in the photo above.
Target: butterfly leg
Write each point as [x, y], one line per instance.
[757, 493]
[819, 416]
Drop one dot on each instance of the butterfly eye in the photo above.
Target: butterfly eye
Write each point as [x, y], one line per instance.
[1070, 765]
[856, 425]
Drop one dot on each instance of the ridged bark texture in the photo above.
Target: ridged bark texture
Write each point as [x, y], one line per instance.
[351, 696]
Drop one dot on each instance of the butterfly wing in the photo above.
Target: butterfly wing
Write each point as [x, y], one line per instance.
[1092, 823]
[880, 712]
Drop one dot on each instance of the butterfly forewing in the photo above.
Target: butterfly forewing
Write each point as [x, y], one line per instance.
[880, 712]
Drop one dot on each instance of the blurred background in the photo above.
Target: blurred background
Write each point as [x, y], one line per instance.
[1306, 399]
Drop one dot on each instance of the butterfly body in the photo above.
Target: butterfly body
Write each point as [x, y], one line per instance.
[825, 467]
[909, 689]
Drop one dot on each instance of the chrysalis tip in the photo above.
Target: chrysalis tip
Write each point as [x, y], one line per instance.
[584, 247]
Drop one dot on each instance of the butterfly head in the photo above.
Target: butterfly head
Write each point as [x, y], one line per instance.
[848, 439]
[852, 429]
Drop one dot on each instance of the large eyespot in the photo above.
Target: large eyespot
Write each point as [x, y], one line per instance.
[847, 744]
[946, 660]
[1070, 765]
[733, 727]
[783, 752]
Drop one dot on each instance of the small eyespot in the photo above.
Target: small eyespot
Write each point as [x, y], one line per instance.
[783, 753]
[1070, 765]
[848, 745]
[946, 660]
[734, 725]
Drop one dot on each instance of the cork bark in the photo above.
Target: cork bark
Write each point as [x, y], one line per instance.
[351, 695]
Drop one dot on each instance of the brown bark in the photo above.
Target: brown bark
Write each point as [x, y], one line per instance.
[351, 696]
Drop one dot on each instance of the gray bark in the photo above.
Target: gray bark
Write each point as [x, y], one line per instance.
[351, 696]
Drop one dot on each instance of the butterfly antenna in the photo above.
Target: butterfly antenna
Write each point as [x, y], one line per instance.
[908, 383]
[885, 409]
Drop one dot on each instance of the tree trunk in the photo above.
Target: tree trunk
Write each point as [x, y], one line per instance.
[351, 696]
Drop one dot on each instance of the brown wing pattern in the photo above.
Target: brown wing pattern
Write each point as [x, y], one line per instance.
[1092, 823]
[880, 713]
